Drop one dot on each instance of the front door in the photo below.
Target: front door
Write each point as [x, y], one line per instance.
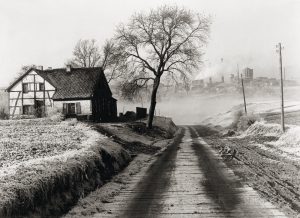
[71, 108]
[39, 107]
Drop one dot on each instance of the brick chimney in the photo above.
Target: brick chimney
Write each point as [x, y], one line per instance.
[68, 68]
[39, 67]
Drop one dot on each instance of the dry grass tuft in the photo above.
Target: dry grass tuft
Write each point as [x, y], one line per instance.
[242, 122]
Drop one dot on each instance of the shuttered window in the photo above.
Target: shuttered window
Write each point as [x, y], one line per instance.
[78, 108]
[72, 108]
[64, 108]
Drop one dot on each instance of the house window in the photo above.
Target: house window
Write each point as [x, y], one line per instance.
[72, 108]
[27, 109]
[41, 86]
[25, 87]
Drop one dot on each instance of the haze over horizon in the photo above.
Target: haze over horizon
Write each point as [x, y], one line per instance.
[44, 32]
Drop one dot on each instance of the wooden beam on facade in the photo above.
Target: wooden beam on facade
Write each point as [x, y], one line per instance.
[34, 92]
[44, 95]
[16, 105]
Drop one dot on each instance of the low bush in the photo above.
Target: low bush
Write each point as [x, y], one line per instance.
[236, 118]
[246, 121]
[3, 114]
[241, 121]
[55, 114]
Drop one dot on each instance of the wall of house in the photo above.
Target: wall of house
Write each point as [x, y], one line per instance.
[85, 105]
[17, 99]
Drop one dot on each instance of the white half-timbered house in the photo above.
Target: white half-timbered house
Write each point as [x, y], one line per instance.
[77, 92]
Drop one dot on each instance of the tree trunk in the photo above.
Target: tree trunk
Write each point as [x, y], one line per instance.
[153, 101]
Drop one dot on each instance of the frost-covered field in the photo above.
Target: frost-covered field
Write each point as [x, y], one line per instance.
[266, 111]
[261, 108]
[43, 159]
[22, 140]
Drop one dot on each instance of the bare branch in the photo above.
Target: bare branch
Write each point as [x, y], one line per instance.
[168, 40]
[85, 54]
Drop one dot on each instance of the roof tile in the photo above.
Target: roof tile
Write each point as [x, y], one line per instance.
[79, 83]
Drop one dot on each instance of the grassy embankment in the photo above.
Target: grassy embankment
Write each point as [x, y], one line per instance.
[268, 160]
[47, 165]
[146, 146]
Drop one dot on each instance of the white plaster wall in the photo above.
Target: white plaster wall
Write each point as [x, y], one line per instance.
[13, 102]
[85, 105]
[28, 95]
[13, 94]
[17, 111]
[28, 101]
[30, 78]
[17, 87]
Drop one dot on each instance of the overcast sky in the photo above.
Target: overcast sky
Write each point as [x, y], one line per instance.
[244, 32]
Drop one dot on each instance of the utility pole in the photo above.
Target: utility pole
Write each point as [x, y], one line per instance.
[244, 94]
[281, 86]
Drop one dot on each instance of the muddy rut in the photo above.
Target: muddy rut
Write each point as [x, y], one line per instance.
[276, 178]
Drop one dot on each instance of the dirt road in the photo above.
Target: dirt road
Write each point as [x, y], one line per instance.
[188, 180]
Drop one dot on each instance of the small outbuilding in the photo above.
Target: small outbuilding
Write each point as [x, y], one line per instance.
[77, 92]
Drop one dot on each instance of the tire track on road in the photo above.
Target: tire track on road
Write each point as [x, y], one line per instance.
[220, 188]
[151, 187]
[189, 180]
[234, 198]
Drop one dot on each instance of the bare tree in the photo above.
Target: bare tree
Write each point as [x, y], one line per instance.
[166, 42]
[134, 90]
[111, 61]
[86, 54]
[25, 68]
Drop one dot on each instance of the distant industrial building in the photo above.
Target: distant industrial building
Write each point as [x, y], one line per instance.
[264, 82]
[247, 74]
[197, 84]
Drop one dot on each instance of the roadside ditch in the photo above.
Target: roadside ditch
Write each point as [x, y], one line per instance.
[52, 186]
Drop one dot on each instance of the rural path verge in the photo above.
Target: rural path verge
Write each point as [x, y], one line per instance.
[186, 180]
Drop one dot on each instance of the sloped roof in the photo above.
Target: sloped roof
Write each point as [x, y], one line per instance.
[80, 83]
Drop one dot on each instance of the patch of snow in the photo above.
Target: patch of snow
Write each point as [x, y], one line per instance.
[265, 129]
[224, 119]
[290, 141]
[287, 143]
